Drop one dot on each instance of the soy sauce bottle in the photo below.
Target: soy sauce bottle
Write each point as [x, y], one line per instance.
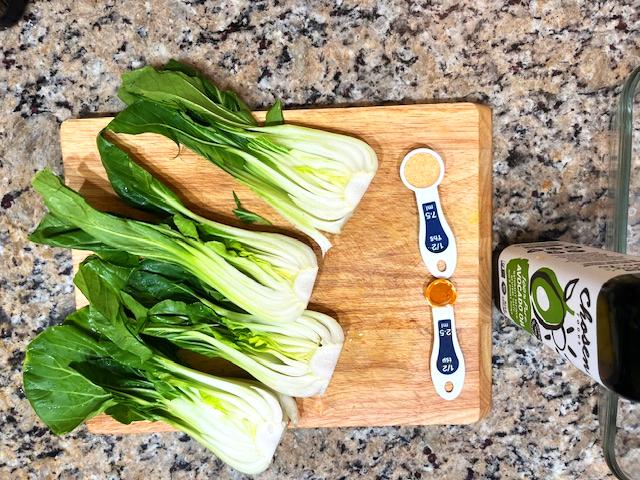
[11, 12]
[583, 302]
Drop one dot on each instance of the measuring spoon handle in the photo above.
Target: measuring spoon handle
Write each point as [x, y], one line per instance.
[447, 362]
[435, 238]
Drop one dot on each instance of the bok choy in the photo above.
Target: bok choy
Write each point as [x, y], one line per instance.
[313, 178]
[286, 260]
[73, 372]
[255, 279]
[295, 358]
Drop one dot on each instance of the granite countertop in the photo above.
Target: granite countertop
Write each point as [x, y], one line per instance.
[550, 70]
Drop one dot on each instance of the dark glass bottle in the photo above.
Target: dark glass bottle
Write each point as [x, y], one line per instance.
[581, 301]
[11, 12]
[619, 335]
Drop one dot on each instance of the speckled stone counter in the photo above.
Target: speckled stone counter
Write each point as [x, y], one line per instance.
[549, 69]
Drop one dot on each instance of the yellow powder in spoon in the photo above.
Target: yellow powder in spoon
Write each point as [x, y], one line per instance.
[422, 170]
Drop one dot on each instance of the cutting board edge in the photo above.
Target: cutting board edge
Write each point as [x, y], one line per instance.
[465, 416]
[427, 105]
[485, 162]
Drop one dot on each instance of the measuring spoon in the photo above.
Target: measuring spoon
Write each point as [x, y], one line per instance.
[447, 362]
[422, 171]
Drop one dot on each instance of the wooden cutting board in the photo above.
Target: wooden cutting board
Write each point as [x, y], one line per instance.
[372, 279]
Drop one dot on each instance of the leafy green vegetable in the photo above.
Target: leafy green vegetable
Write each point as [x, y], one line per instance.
[227, 99]
[186, 226]
[107, 316]
[296, 358]
[133, 183]
[180, 86]
[315, 179]
[58, 233]
[247, 216]
[277, 258]
[192, 283]
[247, 281]
[274, 114]
[62, 397]
[70, 376]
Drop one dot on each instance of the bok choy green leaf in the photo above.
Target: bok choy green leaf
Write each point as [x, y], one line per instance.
[247, 216]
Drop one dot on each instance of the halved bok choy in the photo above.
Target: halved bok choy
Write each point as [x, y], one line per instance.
[295, 358]
[254, 284]
[285, 259]
[313, 178]
[73, 372]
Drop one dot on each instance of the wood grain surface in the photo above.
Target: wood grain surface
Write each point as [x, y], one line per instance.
[372, 279]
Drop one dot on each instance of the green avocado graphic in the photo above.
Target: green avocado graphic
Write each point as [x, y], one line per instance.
[550, 316]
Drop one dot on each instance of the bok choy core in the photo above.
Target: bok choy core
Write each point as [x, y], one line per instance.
[243, 276]
[313, 178]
